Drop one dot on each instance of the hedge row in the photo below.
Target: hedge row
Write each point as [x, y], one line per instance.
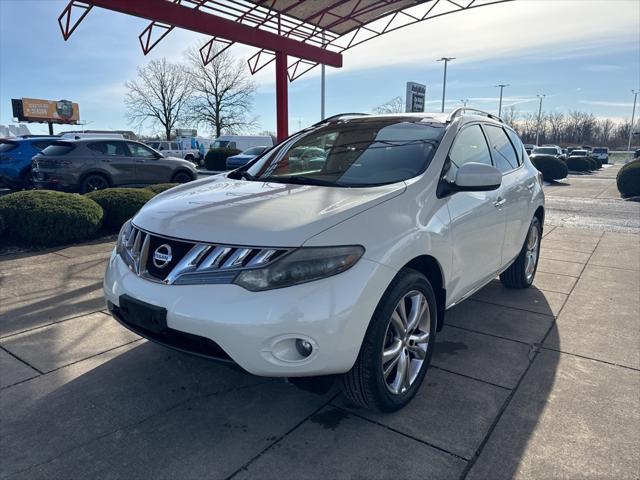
[628, 179]
[552, 168]
[47, 218]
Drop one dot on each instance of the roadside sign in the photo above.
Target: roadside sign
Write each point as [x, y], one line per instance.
[416, 97]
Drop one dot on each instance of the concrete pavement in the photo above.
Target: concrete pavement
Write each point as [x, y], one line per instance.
[541, 383]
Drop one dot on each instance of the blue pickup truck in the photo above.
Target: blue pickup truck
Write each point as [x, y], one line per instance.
[15, 159]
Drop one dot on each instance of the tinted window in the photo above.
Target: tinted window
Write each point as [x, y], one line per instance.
[254, 151]
[517, 144]
[155, 145]
[362, 153]
[108, 148]
[470, 146]
[175, 146]
[58, 148]
[7, 146]
[600, 150]
[546, 151]
[504, 155]
[42, 144]
[139, 150]
[221, 144]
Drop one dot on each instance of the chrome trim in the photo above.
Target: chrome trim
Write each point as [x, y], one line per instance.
[204, 263]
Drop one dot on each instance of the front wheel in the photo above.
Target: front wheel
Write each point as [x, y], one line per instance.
[397, 348]
[523, 270]
[93, 182]
[181, 177]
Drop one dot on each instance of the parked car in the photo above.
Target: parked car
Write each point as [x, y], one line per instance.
[601, 153]
[79, 135]
[245, 157]
[342, 270]
[15, 159]
[636, 154]
[94, 164]
[589, 148]
[577, 152]
[242, 142]
[548, 150]
[175, 149]
[529, 147]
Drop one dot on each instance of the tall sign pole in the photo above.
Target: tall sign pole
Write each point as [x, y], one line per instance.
[502, 85]
[446, 60]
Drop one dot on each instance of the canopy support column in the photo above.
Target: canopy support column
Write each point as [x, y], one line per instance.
[282, 107]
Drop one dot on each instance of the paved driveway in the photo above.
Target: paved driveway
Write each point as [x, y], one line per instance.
[541, 383]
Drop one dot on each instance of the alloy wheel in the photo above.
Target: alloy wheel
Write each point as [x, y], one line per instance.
[406, 342]
[531, 255]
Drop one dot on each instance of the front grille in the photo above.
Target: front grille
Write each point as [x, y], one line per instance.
[182, 262]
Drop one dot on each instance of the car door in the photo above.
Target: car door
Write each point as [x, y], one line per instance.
[477, 218]
[113, 157]
[149, 167]
[516, 189]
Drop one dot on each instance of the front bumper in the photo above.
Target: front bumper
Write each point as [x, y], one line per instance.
[257, 330]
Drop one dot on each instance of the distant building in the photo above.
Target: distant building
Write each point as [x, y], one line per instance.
[8, 131]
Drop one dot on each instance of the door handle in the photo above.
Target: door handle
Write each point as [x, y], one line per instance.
[139, 161]
[500, 202]
[106, 160]
[531, 185]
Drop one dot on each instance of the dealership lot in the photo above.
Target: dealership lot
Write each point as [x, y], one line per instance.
[540, 383]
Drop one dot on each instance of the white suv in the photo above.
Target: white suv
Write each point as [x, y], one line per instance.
[343, 264]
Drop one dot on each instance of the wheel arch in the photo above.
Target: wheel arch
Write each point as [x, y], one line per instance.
[430, 268]
[539, 214]
[183, 170]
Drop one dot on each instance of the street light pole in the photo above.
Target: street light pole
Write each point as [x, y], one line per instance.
[633, 117]
[502, 85]
[446, 60]
[540, 96]
[464, 102]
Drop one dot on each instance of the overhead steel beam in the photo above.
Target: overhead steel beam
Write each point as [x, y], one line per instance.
[195, 20]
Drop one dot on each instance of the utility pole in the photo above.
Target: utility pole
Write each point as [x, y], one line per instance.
[633, 117]
[446, 60]
[502, 85]
[540, 96]
[464, 102]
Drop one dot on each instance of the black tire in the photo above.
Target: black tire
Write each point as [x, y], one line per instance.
[189, 158]
[181, 177]
[93, 182]
[365, 384]
[516, 275]
[26, 180]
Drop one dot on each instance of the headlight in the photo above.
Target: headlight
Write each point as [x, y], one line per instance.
[300, 266]
[123, 236]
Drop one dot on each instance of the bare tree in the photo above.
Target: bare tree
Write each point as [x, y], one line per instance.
[159, 94]
[222, 93]
[395, 105]
[510, 115]
[556, 122]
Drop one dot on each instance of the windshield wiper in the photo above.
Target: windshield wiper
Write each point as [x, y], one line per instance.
[298, 180]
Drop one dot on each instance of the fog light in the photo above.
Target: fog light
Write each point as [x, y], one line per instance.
[304, 347]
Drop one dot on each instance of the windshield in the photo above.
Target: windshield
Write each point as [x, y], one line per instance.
[578, 153]
[353, 154]
[254, 151]
[600, 150]
[220, 143]
[546, 150]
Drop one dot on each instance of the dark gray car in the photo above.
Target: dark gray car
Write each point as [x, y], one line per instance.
[95, 163]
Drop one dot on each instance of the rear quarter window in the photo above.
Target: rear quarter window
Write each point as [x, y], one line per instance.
[59, 148]
[7, 146]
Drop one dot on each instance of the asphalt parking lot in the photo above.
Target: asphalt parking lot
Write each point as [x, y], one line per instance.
[541, 383]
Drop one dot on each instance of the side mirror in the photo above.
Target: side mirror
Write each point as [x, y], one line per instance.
[477, 177]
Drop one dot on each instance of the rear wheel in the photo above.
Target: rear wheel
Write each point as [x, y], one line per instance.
[93, 182]
[522, 272]
[397, 348]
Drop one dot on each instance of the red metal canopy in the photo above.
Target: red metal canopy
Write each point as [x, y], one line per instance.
[310, 31]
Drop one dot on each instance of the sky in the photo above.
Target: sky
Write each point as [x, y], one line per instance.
[582, 54]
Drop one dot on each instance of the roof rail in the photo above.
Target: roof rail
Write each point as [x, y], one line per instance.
[333, 118]
[460, 110]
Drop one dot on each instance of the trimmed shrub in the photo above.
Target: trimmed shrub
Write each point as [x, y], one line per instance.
[598, 162]
[120, 204]
[552, 168]
[628, 179]
[579, 164]
[2, 227]
[44, 217]
[593, 162]
[161, 187]
[216, 158]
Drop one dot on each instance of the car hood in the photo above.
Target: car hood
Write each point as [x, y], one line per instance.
[241, 157]
[238, 212]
